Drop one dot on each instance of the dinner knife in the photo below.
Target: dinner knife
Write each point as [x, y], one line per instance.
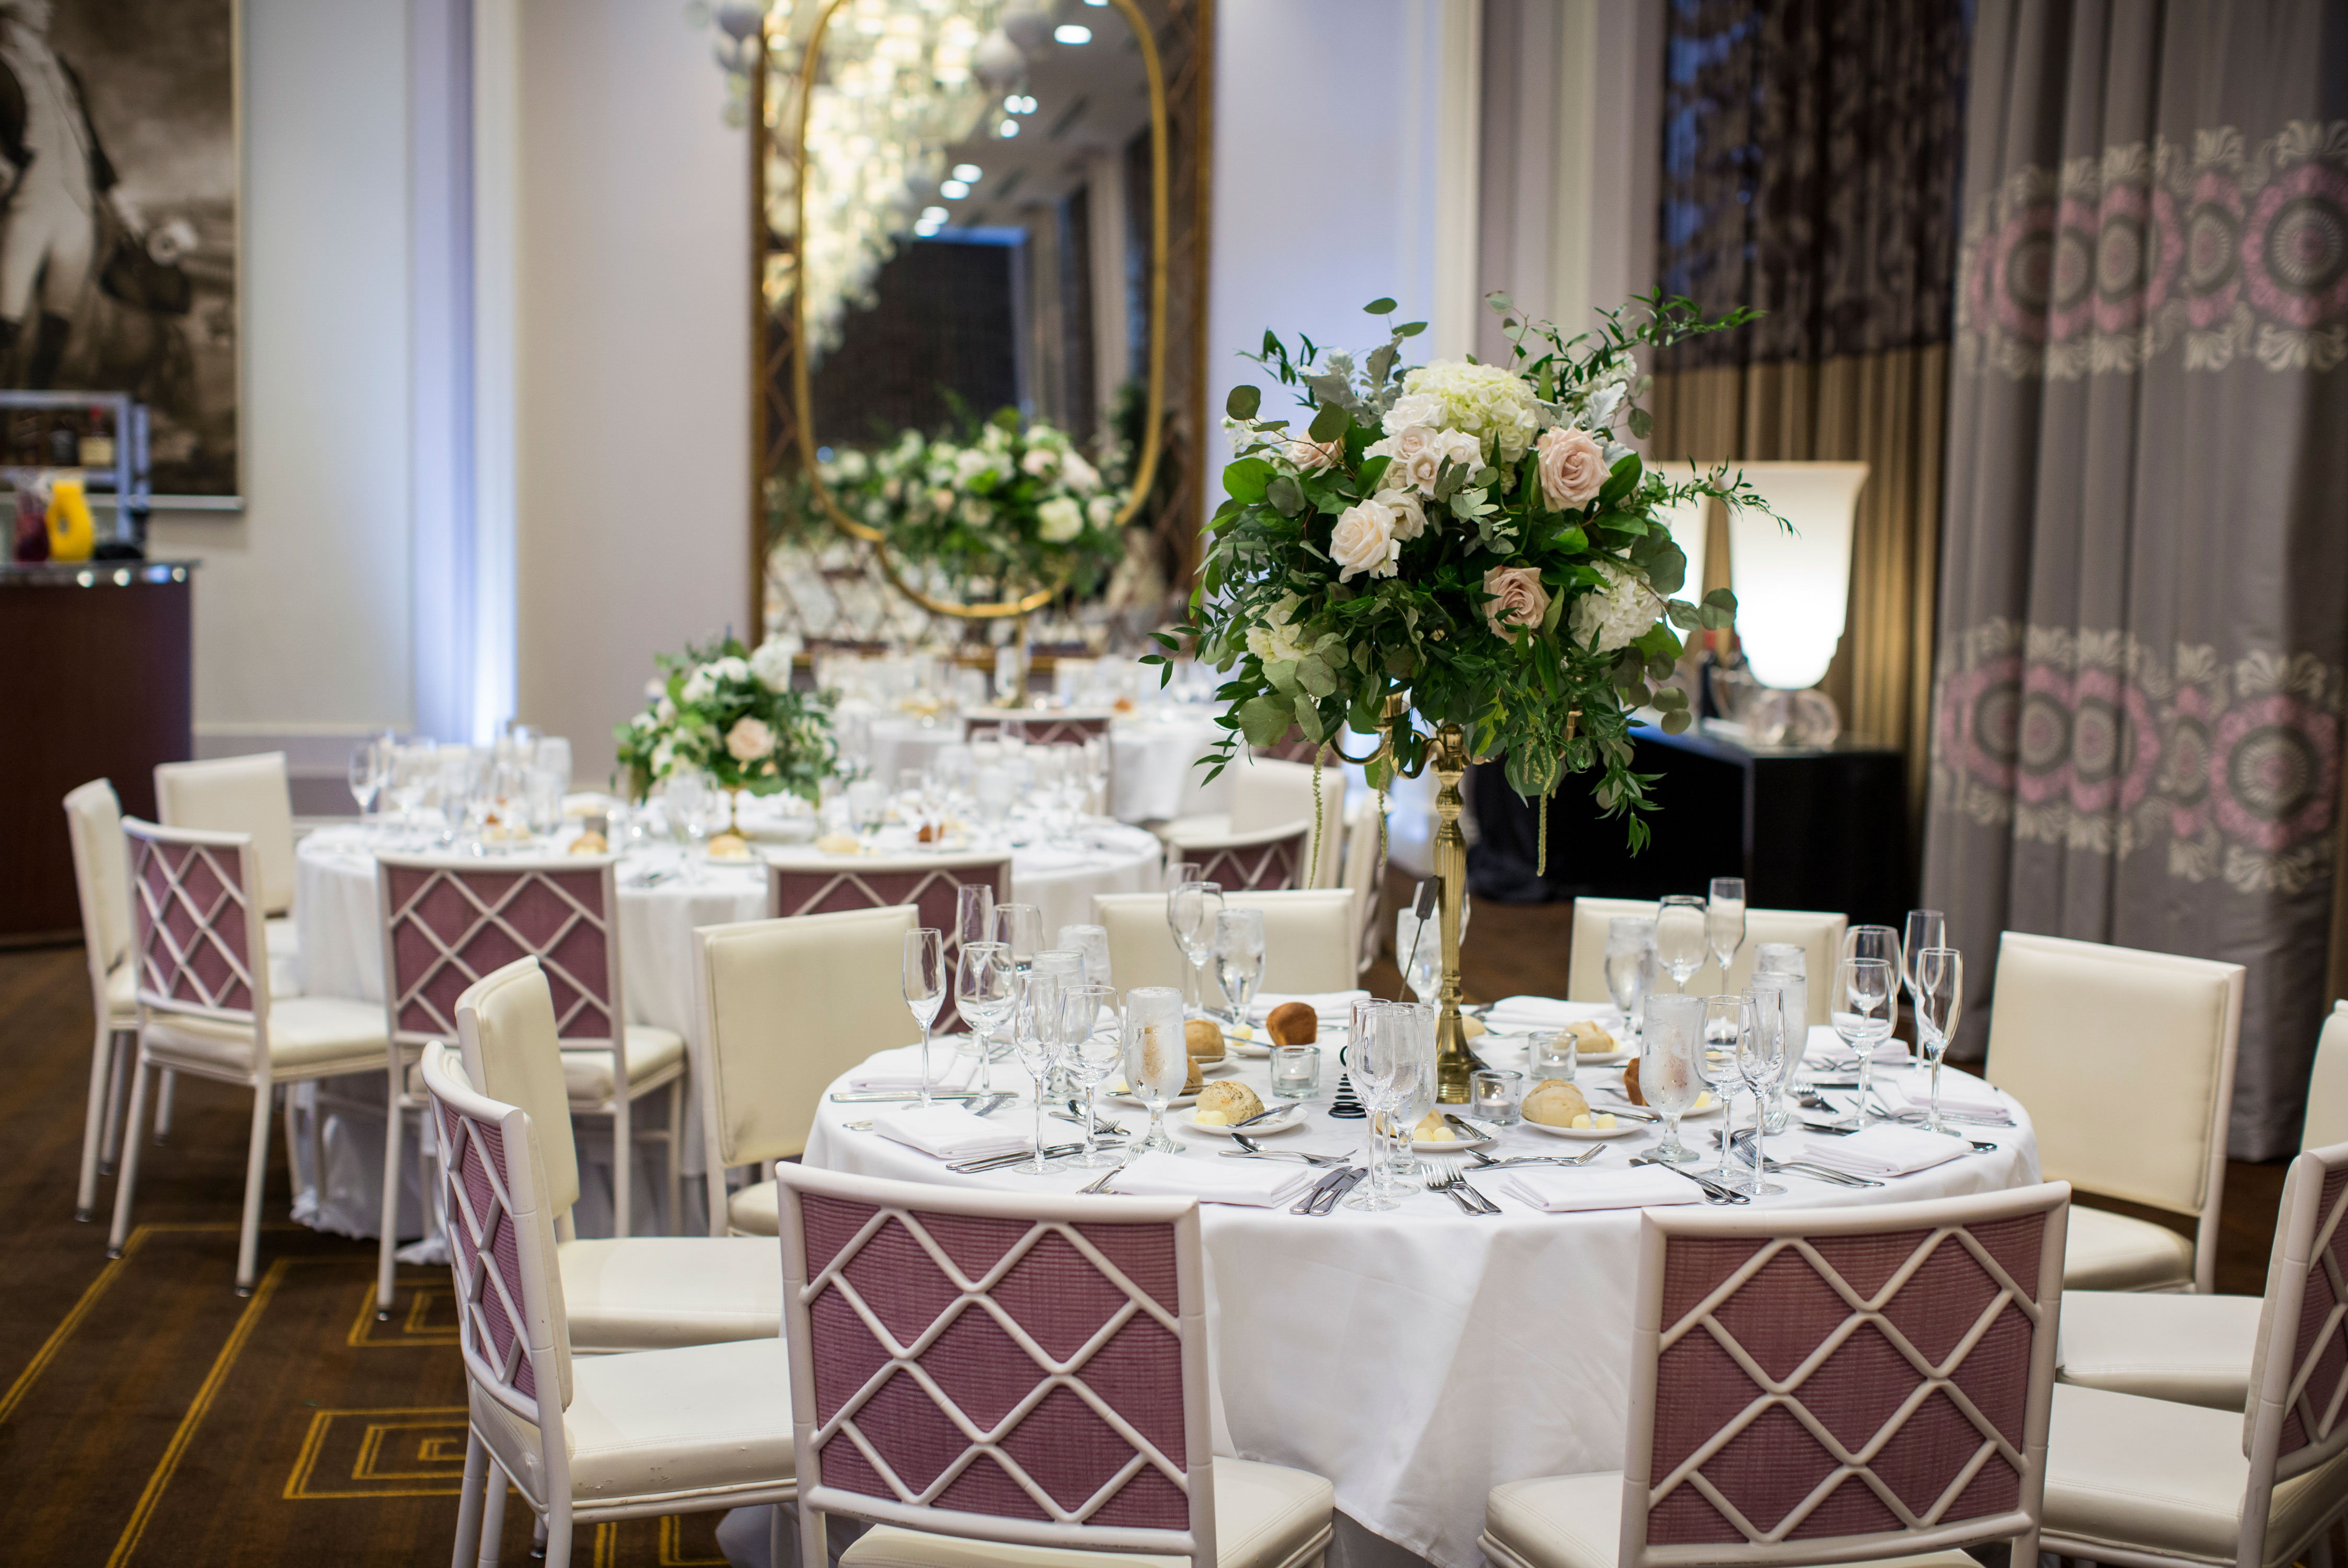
[1347, 1180]
[1328, 1178]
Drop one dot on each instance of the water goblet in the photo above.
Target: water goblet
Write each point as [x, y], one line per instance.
[1020, 928]
[1724, 921]
[1864, 1008]
[1092, 940]
[1679, 937]
[1413, 1088]
[924, 985]
[1667, 1067]
[1092, 1044]
[1239, 958]
[1156, 1063]
[1939, 998]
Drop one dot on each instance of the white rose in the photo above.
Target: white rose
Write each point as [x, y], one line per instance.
[1607, 619]
[1410, 517]
[700, 685]
[976, 511]
[750, 739]
[1276, 638]
[1572, 466]
[1418, 409]
[1101, 509]
[664, 758]
[1459, 447]
[942, 500]
[968, 466]
[1421, 469]
[664, 711]
[1312, 457]
[1040, 460]
[1059, 520]
[732, 668]
[1079, 475]
[771, 662]
[1363, 541]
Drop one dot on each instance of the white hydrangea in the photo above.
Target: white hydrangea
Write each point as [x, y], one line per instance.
[1059, 520]
[854, 465]
[1079, 475]
[771, 662]
[968, 465]
[1276, 639]
[731, 668]
[1101, 510]
[664, 758]
[700, 685]
[1617, 615]
[1493, 405]
[664, 711]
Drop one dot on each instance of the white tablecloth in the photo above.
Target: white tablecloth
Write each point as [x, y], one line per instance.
[1150, 755]
[1417, 1357]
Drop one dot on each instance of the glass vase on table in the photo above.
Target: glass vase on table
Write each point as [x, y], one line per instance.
[1667, 1067]
[982, 994]
[1940, 980]
[1095, 1045]
[1680, 938]
[1239, 959]
[1157, 1062]
[1864, 1009]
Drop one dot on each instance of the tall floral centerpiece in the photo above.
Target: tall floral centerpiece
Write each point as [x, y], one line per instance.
[1463, 559]
[729, 711]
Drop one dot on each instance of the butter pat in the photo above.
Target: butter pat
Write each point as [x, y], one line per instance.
[1211, 1118]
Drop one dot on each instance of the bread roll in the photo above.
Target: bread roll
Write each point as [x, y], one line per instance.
[1631, 1083]
[589, 844]
[1293, 1023]
[1203, 1038]
[1589, 1037]
[1227, 1101]
[1555, 1103]
[1192, 1078]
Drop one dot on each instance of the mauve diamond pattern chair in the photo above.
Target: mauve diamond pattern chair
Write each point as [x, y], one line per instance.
[646, 1433]
[928, 883]
[1055, 729]
[1274, 859]
[1821, 1387]
[2148, 1482]
[446, 922]
[1013, 1377]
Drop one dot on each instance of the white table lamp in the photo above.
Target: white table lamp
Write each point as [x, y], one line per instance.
[1793, 589]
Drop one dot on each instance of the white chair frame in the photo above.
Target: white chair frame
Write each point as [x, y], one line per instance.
[105, 943]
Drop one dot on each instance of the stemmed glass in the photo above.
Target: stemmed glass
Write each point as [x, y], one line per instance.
[1191, 910]
[1629, 966]
[1156, 1063]
[924, 980]
[1420, 949]
[368, 768]
[1925, 928]
[1413, 1088]
[1667, 1068]
[1020, 928]
[1094, 1044]
[1764, 1058]
[974, 913]
[413, 767]
[1864, 1009]
[1035, 1040]
[982, 996]
[1773, 976]
[1239, 958]
[1376, 1053]
[1679, 937]
[1940, 994]
[1179, 876]
[1092, 940]
[1724, 921]
[1727, 1019]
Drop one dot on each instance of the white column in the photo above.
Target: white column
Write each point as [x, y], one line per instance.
[497, 261]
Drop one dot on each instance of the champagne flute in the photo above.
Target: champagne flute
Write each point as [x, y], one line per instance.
[1724, 921]
[1093, 1045]
[1679, 937]
[1179, 876]
[1761, 1062]
[366, 774]
[1667, 1067]
[1727, 1019]
[1771, 975]
[1375, 1051]
[1239, 958]
[1157, 1062]
[1035, 1040]
[1925, 928]
[1864, 1008]
[1629, 966]
[974, 914]
[1192, 908]
[924, 981]
[1940, 981]
[982, 996]
[1020, 928]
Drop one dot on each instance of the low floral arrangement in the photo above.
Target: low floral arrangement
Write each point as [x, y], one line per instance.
[1474, 536]
[729, 711]
[1011, 509]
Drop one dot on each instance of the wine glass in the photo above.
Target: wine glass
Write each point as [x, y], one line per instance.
[1925, 928]
[1771, 973]
[1178, 875]
[1413, 1088]
[982, 996]
[1157, 1062]
[1377, 1050]
[1191, 910]
[1667, 1067]
[413, 768]
[1940, 982]
[1035, 1041]
[1020, 928]
[366, 774]
[1679, 937]
[1727, 1019]
[1761, 1062]
[1724, 921]
[924, 982]
[1879, 942]
[1239, 958]
[1865, 1008]
[1094, 1044]
[1092, 941]
[1629, 966]
[1419, 948]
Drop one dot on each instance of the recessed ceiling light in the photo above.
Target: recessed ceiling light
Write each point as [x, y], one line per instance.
[967, 172]
[1072, 33]
[1009, 128]
[953, 189]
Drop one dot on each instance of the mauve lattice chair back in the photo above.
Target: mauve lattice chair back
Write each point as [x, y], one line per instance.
[509, 1326]
[2299, 1374]
[1019, 1368]
[929, 883]
[1058, 729]
[195, 925]
[1820, 1386]
[448, 923]
[1269, 862]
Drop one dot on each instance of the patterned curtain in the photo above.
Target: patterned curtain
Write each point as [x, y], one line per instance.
[1811, 170]
[2139, 691]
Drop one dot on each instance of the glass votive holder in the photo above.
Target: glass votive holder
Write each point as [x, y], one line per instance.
[1550, 1054]
[1497, 1095]
[1295, 1072]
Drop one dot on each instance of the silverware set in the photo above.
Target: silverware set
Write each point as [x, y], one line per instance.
[1713, 1192]
[1331, 1187]
[1444, 1177]
[1004, 1161]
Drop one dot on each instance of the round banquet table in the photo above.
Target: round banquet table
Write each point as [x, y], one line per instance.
[660, 901]
[1416, 1357]
[1151, 778]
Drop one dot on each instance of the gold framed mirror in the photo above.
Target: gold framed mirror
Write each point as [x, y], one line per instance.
[961, 211]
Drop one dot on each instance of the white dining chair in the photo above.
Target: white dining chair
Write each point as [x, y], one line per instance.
[787, 1007]
[1365, 875]
[206, 1007]
[2125, 1060]
[2327, 1084]
[1308, 940]
[1003, 1379]
[589, 1439]
[249, 795]
[619, 1293]
[1266, 794]
[2149, 1481]
[102, 879]
[1821, 1386]
[1818, 932]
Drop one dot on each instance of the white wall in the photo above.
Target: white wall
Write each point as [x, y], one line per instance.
[303, 604]
[632, 420]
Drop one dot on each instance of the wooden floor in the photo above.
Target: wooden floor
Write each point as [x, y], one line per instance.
[149, 1416]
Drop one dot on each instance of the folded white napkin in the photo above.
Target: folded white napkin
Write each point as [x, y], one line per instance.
[1547, 1013]
[1329, 1006]
[948, 1132]
[1827, 1051]
[1884, 1149]
[1628, 1186]
[1255, 1183]
[1958, 1092]
[956, 1073]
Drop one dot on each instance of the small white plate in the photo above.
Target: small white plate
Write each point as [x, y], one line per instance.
[1589, 1134]
[1454, 1145]
[1221, 1066]
[1121, 1098]
[1284, 1118]
[1696, 1115]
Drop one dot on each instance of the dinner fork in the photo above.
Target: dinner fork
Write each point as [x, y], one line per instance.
[1249, 1149]
[1486, 1162]
[1444, 1176]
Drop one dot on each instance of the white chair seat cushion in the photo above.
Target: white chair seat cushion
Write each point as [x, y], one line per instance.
[1206, 825]
[654, 1293]
[753, 1209]
[284, 943]
[587, 1074]
[307, 1035]
[695, 1421]
[122, 995]
[2193, 1349]
[2105, 1250]
[2156, 1477]
[1576, 1522]
[1266, 1516]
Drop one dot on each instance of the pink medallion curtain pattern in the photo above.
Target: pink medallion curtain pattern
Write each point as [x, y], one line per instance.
[2138, 707]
